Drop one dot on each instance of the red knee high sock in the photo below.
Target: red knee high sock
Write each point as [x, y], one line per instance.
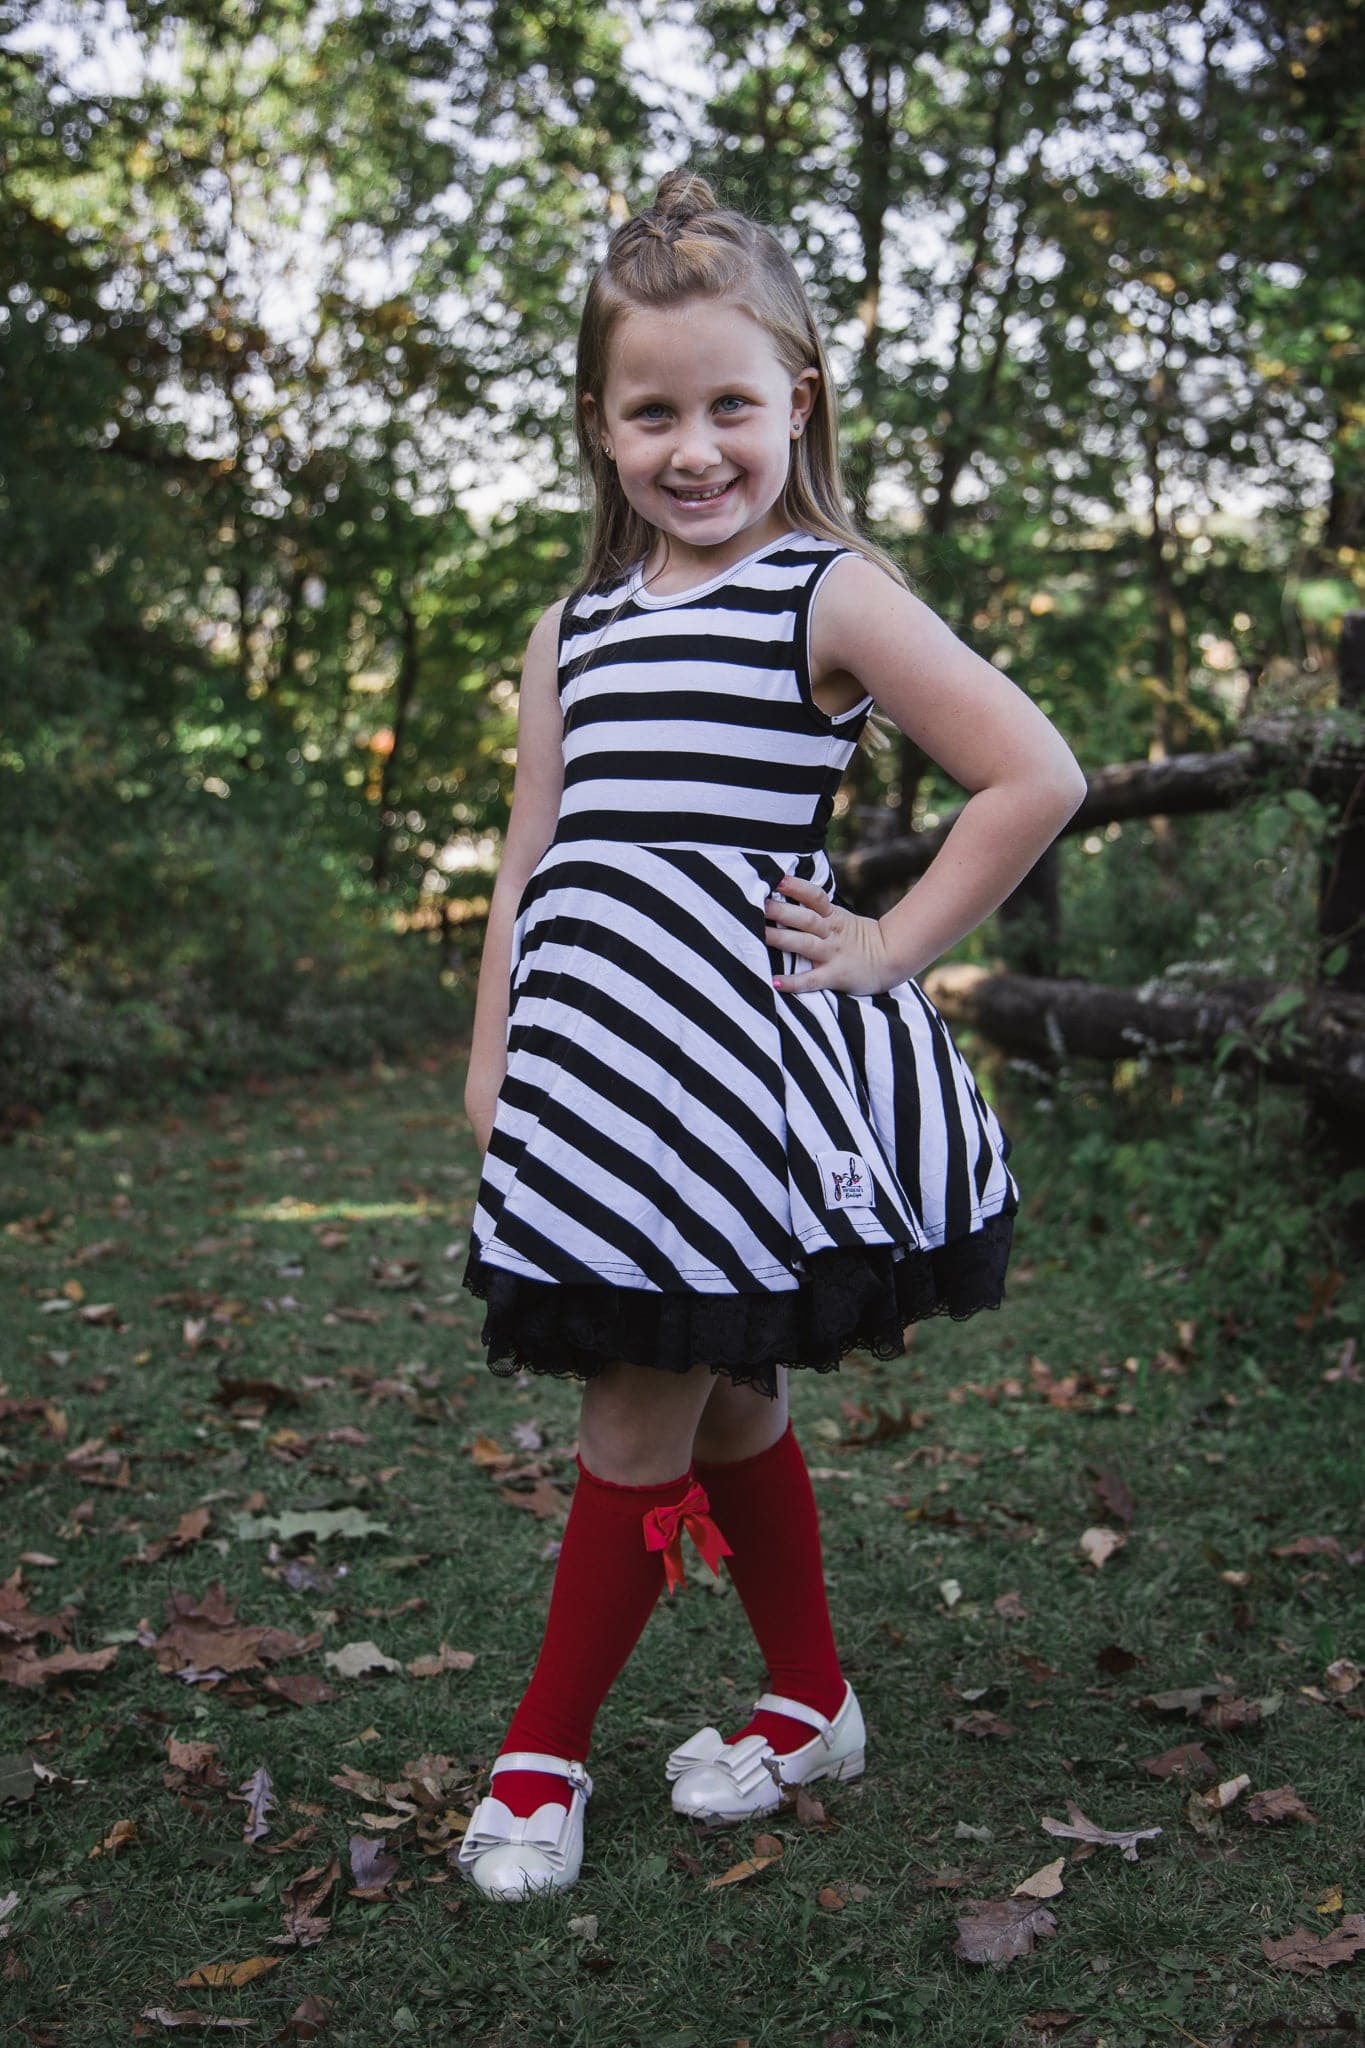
[767, 1509]
[620, 1545]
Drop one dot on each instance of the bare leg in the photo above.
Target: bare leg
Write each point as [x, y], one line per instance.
[738, 1422]
[636, 1424]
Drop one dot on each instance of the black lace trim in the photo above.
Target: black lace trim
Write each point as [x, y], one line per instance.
[854, 1300]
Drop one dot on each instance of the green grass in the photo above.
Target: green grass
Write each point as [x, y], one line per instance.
[1172, 1252]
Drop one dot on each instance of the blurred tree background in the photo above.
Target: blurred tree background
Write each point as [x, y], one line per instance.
[287, 469]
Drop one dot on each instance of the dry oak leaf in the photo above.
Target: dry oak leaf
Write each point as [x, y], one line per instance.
[1187, 1700]
[193, 1763]
[1044, 1883]
[186, 2017]
[25, 1667]
[308, 2019]
[832, 1898]
[1189, 1758]
[1306, 1952]
[446, 1659]
[300, 1688]
[353, 1660]
[981, 1723]
[543, 1500]
[1079, 1829]
[207, 1636]
[1113, 1493]
[1342, 1676]
[227, 1976]
[258, 1791]
[1218, 1797]
[995, 1931]
[767, 1849]
[303, 1903]
[1308, 1546]
[372, 1867]
[1099, 1544]
[1280, 1803]
[189, 1529]
[119, 1836]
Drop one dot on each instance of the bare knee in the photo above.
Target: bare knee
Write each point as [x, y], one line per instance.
[637, 1423]
[739, 1422]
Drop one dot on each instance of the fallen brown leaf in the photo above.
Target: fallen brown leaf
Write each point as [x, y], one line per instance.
[1099, 1544]
[25, 1667]
[354, 1660]
[982, 1724]
[258, 1791]
[227, 1976]
[303, 1905]
[1308, 1546]
[767, 1849]
[995, 1931]
[1044, 1884]
[119, 1836]
[1079, 1829]
[185, 2017]
[1188, 1760]
[309, 2018]
[445, 1659]
[1280, 1803]
[1307, 1953]
[372, 1867]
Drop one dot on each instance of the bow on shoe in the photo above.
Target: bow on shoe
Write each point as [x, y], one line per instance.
[493, 1825]
[747, 1763]
[664, 1527]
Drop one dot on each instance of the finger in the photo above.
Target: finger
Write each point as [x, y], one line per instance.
[807, 911]
[789, 940]
[798, 890]
[797, 984]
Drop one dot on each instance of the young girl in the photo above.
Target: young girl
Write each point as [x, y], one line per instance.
[725, 1133]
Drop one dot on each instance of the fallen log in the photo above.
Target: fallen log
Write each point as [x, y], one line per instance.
[1311, 1037]
[1289, 743]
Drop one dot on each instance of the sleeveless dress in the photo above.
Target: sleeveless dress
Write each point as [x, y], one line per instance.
[686, 1164]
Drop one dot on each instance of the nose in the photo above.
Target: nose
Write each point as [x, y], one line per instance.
[696, 449]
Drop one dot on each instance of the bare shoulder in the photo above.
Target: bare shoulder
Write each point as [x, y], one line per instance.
[546, 627]
[958, 707]
[857, 598]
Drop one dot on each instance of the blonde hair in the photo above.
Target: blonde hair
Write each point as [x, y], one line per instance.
[687, 245]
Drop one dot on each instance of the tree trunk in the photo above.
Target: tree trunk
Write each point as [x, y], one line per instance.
[404, 691]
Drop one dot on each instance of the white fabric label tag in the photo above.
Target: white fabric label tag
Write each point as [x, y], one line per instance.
[847, 1182]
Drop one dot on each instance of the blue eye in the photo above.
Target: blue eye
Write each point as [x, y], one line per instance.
[655, 405]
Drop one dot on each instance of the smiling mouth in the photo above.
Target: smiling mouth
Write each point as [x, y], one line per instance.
[705, 497]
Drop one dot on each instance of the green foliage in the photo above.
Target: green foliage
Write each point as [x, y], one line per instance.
[1199, 1386]
[276, 317]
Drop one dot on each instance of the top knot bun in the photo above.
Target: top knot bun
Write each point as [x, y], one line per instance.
[681, 195]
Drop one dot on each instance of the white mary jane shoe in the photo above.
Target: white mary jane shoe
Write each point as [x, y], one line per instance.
[718, 1781]
[508, 1857]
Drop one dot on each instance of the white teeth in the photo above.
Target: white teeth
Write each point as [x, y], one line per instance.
[700, 497]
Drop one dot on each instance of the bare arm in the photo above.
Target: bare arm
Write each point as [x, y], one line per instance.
[982, 730]
[530, 828]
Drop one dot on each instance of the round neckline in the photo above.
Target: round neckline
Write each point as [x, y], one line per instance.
[636, 593]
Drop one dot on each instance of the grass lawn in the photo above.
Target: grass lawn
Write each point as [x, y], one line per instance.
[247, 1424]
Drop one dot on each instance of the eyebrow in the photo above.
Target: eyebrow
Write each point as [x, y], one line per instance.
[644, 395]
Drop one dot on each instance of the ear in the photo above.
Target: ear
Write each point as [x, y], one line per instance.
[804, 389]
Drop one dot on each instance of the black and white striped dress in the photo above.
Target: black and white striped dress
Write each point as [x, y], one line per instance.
[687, 1164]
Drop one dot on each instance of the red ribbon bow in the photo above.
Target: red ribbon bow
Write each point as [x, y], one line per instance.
[664, 1527]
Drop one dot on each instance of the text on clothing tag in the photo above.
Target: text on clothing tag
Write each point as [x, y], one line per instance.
[847, 1182]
